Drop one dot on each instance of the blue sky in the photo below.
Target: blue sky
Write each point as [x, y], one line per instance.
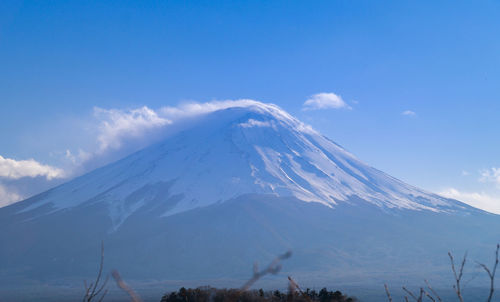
[59, 60]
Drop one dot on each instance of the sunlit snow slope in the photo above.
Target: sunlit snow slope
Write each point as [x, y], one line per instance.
[257, 148]
[231, 187]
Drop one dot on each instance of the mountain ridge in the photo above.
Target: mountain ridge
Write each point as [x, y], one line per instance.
[257, 148]
[174, 211]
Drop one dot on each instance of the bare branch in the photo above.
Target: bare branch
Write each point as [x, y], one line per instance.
[491, 274]
[104, 294]
[95, 288]
[295, 286]
[419, 298]
[410, 293]
[458, 277]
[429, 296]
[272, 268]
[433, 291]
[87, 290]
[125, 287]
[99, 274]
[388, 293]
[102, 287]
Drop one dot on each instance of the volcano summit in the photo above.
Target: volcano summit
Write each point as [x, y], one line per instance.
[236, 185]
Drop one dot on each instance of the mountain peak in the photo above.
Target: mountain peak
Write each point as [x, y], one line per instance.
[246, 148]
[239, 182]
[255, 111]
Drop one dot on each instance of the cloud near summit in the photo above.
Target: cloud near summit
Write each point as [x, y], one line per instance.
[115, 132]
[325, 100]
[118, 132]
[12, 170]
[15, 169]
[117, 124]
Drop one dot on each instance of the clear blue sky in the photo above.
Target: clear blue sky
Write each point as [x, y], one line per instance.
[439, 59]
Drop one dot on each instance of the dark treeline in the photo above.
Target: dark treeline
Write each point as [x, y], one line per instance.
[209, 294]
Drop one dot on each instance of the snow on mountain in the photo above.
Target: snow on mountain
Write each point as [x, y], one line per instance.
[235, 185]
[251, 147]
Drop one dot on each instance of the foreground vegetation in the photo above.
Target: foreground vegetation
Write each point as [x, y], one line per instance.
[209, 294]
[97, 290]
[429, 293]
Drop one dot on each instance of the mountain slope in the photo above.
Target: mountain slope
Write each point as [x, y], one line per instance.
[234, 186]
[254, 149]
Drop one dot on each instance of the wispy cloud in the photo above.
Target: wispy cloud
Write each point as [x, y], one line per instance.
[116, 125]
[325, 100]
[15, 169]
[409, 113]
[491, 175]
[78, 158]
[116, 133]
[191, 109]
[7, 196]
[114, 129]
[121, 130]
[479, 200]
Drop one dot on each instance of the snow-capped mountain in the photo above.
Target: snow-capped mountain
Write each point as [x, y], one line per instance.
[233, 186]
[257, 149]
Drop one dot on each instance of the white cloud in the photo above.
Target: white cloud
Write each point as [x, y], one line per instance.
[409, 113]
[120, 131]
[188, 110]
[78, 158]
[15, 169]
[325, 101]
[491, 175]
[115, 133]
[479, 200]
[7, 196]
[194, 109]
[117, 125]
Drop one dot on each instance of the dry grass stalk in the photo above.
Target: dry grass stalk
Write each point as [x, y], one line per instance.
[419, 298]
[433, 291]
[388, 293]
[458, 276]
[294, 286]
[423, 293]
[125, 287]
[94, 289]
[273, 268]
[429, 296]
[491, 274]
